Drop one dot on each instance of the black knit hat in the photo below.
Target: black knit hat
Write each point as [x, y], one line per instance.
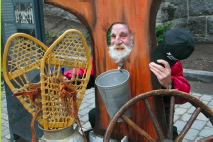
[178, 44]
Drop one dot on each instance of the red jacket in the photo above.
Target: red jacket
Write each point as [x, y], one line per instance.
[79, 71]
[179, 82]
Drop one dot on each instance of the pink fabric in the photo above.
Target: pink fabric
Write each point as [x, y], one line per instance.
[79, 71]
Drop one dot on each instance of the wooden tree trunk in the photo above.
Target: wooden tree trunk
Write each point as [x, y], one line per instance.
[139, 15]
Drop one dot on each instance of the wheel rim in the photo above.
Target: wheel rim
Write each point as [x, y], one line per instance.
[173, 93]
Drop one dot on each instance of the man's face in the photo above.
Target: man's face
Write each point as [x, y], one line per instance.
[121, 42]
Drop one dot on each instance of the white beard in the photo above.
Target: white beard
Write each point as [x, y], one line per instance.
[119, 56]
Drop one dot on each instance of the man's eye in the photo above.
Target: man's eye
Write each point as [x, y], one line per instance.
[124, 36]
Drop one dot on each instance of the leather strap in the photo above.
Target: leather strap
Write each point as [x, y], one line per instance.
[34, 92]
[68, 90]
[79, 123]
[32, 126]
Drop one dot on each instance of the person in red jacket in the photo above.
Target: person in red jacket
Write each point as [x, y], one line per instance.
[178, 44]
[171, 78]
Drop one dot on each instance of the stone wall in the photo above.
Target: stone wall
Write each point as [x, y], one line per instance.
[195, 15]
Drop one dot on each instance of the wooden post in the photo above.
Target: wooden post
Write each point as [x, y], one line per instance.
[139, 15]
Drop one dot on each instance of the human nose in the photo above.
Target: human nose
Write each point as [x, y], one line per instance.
[118, 41]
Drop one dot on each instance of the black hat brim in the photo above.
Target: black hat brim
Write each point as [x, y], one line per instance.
[159, 53]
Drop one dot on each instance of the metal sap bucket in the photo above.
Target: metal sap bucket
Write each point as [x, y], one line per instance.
[114, 88]
[67, 134]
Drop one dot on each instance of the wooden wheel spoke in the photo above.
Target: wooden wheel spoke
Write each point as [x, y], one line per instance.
[136, 128]
[171, 117]
[189, 124]
[157, 123]
[154, 120]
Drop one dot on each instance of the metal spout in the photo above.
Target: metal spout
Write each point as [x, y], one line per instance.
[120, 65]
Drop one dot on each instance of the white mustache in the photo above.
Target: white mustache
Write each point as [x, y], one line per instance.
[119, 56]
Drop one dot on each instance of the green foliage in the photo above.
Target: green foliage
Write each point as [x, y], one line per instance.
[161, 29]
[87, 36]
[51, 35]
[108, 37]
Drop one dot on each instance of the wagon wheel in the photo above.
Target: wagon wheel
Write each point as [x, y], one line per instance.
[199, 105]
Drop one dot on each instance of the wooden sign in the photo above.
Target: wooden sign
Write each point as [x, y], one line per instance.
[23, 17]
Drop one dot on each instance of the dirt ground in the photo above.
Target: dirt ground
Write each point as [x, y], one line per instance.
[201, 58]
